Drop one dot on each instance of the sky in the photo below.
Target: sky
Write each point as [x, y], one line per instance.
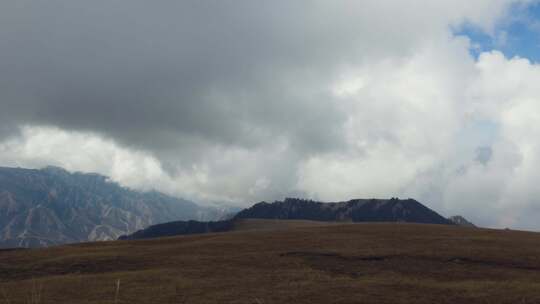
[235, 102]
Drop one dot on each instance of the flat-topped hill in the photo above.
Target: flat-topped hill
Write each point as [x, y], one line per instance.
[357, 210]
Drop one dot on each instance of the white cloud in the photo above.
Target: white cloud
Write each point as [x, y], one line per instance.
[79, 151]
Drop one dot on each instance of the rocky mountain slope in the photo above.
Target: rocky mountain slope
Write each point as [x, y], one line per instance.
[52, 206]
[358, 210]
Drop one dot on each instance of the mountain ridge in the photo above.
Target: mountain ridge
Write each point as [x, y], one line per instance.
[356, 210]
[51, 206]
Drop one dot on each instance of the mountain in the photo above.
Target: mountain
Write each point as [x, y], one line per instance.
[53, 206]
[358, 210]
[461, 221]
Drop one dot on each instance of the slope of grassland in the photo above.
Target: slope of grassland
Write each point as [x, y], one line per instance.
[271, 224]
[345, 263]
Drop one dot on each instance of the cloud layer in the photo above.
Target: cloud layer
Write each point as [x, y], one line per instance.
[250, 100]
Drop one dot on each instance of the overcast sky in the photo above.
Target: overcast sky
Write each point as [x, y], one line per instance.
[242, 101]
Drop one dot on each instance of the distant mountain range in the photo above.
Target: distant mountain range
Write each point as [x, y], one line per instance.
[358, 210]
[52, 206]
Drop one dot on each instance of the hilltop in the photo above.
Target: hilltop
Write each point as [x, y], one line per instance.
[356, 210]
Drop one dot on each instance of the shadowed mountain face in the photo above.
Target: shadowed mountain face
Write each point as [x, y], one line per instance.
[358, 210]
[52, 206]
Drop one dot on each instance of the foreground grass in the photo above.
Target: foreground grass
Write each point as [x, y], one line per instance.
[355, 263]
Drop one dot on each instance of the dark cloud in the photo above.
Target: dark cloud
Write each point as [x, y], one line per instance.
[153, 75]
[231, 74]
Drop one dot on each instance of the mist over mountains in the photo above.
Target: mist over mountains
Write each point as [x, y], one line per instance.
[53, 206]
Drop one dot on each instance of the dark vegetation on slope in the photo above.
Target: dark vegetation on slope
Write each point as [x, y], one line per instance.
[180, 228]
[357, 210]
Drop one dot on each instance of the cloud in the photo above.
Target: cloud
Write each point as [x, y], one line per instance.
[246, 100]
[79, 151]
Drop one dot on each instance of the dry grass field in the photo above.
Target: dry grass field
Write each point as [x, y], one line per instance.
[302, 262]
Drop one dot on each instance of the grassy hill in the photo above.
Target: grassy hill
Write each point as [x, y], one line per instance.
[285, 262]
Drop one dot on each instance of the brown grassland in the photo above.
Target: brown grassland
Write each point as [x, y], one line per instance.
[303, 262]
